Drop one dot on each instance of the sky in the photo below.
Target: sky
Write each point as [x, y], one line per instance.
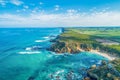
[59, 13]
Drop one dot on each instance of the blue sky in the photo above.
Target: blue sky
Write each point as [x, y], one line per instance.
[57, 13]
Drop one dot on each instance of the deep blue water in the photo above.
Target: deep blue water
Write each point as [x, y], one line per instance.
[23, 56]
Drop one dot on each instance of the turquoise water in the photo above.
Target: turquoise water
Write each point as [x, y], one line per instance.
[23, 56]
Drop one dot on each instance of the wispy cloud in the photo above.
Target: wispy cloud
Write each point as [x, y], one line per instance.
[65, 19]
[26, 7]
[41, 3]
[3, 2]
[16, 2]
[57, 7]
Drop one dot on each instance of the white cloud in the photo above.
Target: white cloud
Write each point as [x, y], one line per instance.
[16, 2]
[26, 7]
[41, 3]
[57, 7]
[35, 10]
[50, 20]
[3, 2]
[72, 11]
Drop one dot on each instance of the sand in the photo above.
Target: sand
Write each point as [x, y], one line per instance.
[106, 55]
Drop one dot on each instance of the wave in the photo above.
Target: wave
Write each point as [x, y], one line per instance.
[60, 54]
[40, 40]
[46, 37]
[99, 62]
[59, 71]
[33, 48]
[28, 48]
[36, 47]
[56, 53]
[32, 52]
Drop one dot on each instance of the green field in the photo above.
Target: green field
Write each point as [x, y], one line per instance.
[107, 33]
[103, 39]
[88, 35]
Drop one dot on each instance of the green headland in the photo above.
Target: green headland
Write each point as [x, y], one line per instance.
[102, 41]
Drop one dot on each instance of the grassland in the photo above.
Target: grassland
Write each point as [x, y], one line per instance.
[72, 36]
[112, 34]
[107, 33]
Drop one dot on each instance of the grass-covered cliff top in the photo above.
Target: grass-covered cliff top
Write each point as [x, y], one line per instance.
[76, 39]
[72, 42]
[72, 36]
[110, 36]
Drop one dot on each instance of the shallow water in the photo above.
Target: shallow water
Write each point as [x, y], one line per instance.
[23, 56]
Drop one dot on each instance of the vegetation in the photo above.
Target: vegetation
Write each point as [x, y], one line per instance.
[111, 33]
[74, 40]
[107, 40]
[116, 64]
[117, 47]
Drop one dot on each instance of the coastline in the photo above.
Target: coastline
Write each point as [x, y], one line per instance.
[106, 55]
[61, 46]
[109, 57]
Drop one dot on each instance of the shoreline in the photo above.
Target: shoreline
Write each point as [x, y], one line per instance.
[109, 57]
[93, 51]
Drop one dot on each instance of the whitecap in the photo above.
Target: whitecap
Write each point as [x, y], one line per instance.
[58, 72]
[46, 37]
[28, 48]
[33, 48]
[56, 53]
[26, 52]
[36, 47]
[99, 62]
[40, 40]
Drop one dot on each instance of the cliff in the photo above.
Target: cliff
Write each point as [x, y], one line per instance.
[71, 42]
[74, 42]
[65, 47]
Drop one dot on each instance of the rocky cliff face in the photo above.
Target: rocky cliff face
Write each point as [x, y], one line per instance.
[64, 47]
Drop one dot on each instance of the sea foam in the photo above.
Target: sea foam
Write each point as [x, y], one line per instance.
[28, 48]
[40, 40]
[46, 37]
[58, 72]
[32, 52]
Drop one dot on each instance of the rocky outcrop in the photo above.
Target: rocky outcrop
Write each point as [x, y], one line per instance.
[103, 72]
[62, 47]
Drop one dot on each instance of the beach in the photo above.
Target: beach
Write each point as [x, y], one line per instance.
[106, 55]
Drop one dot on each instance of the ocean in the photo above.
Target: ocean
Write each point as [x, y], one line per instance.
[23, 56]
